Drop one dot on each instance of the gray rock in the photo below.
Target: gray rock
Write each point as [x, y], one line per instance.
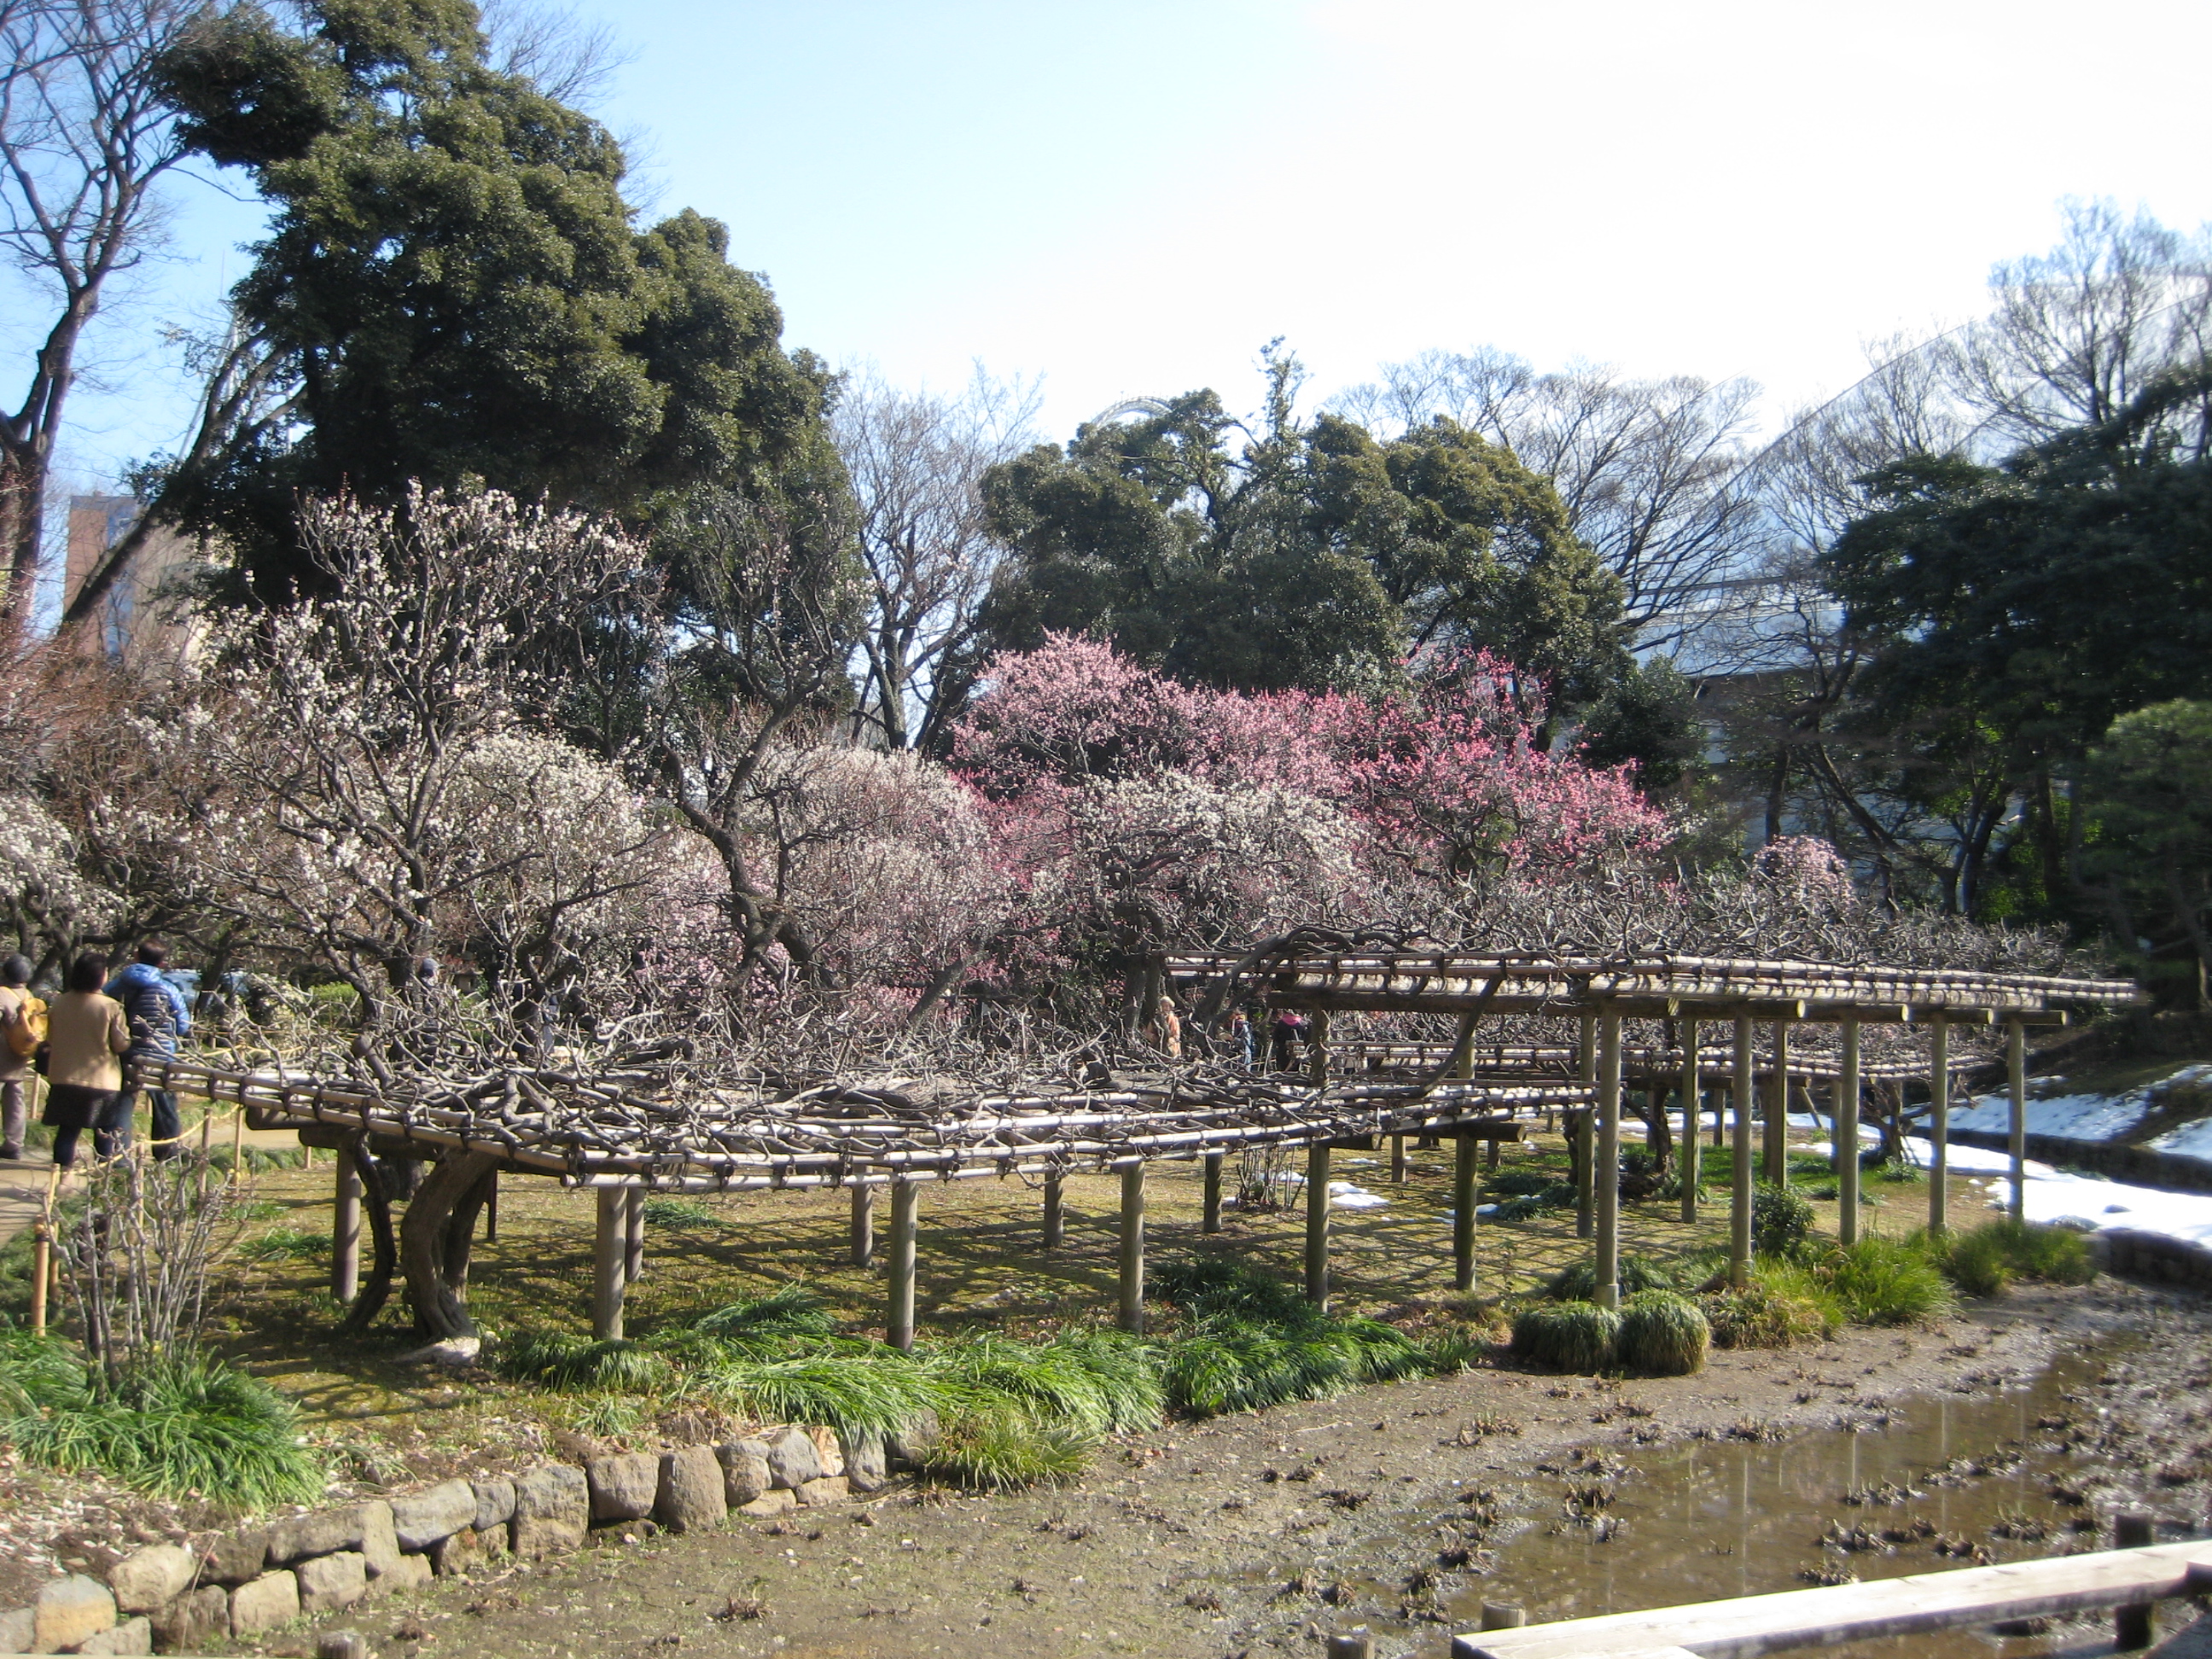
[152, 1578]
[18, 1629]
[623, 1486]
[341, 1644]
[911, 1445]
[791, 1457]
[452, 1556]
[495, 1502]
[326, 1532]
[865, 1468]
[328, 1582]
[823, 1491]
[195, 1619]
[379, 1544]
[422, 1520]
[264, 1603]
[69, 1611]
[409, 1572]
[690, 1495]
[235, 1557]
[744, 1471]
[552, 1510]
[131, 1636]
[778, 1500]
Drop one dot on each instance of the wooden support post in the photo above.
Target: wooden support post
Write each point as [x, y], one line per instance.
[1775, 1142]
[2132, 1624]
[1606, 1170]
[1939, 1124]
[1740, 1193]
[634, 1236]
[1211, 1221]
[2016, 1124]
[1133, 1247]
[1398, 1159]
[1463, 1202]
[608, 1259]
[864, 1224]
[345, 1229]
[1846, 1125]
[906, 1199]
[1317, 1225]
[238, 1145]
[1692, 1145]
[1490, 1154]
[1055, 1211]
[42, 1253]
[1317, 1043]
[491, 1209]
[1587, 1071]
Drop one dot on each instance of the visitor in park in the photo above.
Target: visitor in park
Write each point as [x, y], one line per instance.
[1166, 1029]
[1287, 1030]
[159, 1015]
[87, 1034]
[1240, 1037]
[22, 1028]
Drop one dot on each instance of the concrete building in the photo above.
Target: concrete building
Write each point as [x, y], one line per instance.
[142, 620]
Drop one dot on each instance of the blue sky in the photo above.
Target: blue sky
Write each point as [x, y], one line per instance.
[1133, 199]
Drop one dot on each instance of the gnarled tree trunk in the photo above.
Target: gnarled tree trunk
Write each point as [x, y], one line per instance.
[435, 1264]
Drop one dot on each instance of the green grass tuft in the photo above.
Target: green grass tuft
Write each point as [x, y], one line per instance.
[1662, 1333]
[285, 1244]
[555, 1359]
[790, 1310]
[1579, 1282]
[879, 1391]
[1572, 1336]
[38, 1373]
[1776, 1310]
[1985, 1260]
[1001, 1450]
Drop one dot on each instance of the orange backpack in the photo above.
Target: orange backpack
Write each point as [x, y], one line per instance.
[25, 1028]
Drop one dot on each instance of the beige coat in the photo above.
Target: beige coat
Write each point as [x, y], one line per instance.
[87, 1034]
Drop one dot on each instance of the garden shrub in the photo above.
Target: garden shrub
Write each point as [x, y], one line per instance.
[1572, 1336]
[1662, 1333]
[1987, 1259]
[1886, 1281]
[1000, 1450]
[1579, 1282]
[1781, 1220]
[1764, 1314]
[1521, 1183]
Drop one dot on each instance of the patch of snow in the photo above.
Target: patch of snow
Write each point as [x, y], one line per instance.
[2053, 1195]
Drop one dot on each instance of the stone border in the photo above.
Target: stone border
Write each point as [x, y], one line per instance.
[168, 1598]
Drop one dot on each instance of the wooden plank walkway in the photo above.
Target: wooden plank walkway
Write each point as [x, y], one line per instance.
[1752, 1624]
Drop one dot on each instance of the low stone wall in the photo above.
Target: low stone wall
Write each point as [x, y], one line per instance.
[2155, 1257]
[169, 1598]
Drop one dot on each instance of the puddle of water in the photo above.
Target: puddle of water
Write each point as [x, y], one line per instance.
[1711, 1520]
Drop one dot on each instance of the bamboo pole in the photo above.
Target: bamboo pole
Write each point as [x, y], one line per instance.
[1317, 1209]
[607, 1280]
[1586, 1070]
[2016, 1125]
[1055, 1211]
[1939, 1125]
[1846, 1125]
[42, 1252]
[1463, 1206]
[1212, 1222]
[864, 1224]
[345, 1229]
[906, 1197]
[238, 1145]
[1606, 1170]
[1132, 1262]
[1739, 1184]
[1691, 1144]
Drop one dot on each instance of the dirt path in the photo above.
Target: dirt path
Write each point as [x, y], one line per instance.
[1259, 1532]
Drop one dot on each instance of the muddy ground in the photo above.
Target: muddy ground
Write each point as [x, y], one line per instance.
[1264, 1533]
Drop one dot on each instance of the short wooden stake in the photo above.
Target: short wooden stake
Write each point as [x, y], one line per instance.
[1317, 1225]
[1351, 1644]
[864, 1224]
[1606, 1165]
[1211, 1221]
[1132, 1246]
[1055, 1212]
[2016, 1129]
[1398, 1159]
[1503, 1615]
[1693, 1143]
[906, 1199]
[608, 1282]
[2131, 1625]
[1463, 1203]
[634, 1236]
[1846, 1125]
[1939, 1124]
[1744, 1104]
[345, 1229]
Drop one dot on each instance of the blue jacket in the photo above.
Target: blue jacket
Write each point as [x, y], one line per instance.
[157, 1011]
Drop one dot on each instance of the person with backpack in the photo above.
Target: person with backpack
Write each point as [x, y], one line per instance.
[22, 1029]
[159, 1015]
[87, 1036]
